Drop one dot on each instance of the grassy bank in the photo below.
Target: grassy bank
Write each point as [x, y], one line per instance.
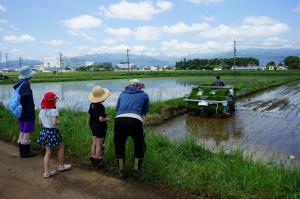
[85, 76]
[183, 165]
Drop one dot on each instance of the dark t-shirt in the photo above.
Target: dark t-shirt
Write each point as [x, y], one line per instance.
[96, 110]
[218, 83]
[28, 113]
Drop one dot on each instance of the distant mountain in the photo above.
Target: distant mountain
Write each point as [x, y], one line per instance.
[263, 55]
[116, 58]
[16, 63]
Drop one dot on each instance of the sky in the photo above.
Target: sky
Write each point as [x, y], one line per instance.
[43, 28]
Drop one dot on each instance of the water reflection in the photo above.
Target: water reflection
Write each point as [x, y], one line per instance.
[265, 126]
[74, 94]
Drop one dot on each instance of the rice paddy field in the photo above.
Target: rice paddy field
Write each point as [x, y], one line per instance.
[182, 164]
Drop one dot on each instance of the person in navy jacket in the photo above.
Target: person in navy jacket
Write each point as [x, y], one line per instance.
[132, 107]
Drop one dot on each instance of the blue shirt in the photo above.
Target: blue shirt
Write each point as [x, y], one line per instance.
[133, 100]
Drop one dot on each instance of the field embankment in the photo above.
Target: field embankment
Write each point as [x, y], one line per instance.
[85, 76]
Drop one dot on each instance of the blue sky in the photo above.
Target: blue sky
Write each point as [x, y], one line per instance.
[38, 29]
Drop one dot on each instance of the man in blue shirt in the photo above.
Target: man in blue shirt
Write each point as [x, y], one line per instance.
[218, 82]
[132, 107]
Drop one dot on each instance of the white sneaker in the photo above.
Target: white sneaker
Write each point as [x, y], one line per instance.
[64, 167]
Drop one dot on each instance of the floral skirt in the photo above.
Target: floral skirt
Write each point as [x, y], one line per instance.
[49, 137]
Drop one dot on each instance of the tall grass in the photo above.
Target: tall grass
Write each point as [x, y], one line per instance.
[183, 165]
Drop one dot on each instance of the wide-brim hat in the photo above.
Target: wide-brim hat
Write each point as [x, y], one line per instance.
[26, 72]
[98, 94]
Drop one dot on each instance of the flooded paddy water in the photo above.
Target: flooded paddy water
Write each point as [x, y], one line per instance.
[74, 95]
[266, 126]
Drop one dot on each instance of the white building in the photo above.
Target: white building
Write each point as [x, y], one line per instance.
[61, 62]
[124, 66]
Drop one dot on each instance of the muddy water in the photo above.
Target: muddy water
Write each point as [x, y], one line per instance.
[265, 126]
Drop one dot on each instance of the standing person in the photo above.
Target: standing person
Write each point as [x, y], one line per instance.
[218, 82]
[27, 119]
[98, 124]
[132, 107]
[50, 136]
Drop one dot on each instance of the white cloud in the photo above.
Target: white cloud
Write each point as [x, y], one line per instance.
[18, 39]
[252, 26]
[205, 1]
[83, 22]
[206, 18]
[78, 33]
[297, 9]
[146, 33]
[54, 42]
[142, 10]
[261, 20]
[119, 32]
[83, 50]
[183, 28]
[2, 8]
[140, 33]
[220, 31]
[176, 48]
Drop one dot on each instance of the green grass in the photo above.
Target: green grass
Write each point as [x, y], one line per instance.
[84, 76]
[183, 165]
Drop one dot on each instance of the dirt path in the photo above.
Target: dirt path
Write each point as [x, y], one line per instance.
[22, 178]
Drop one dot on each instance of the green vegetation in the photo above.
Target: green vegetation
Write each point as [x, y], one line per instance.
[85, 76]
[97, 67]
[184, 165]
[293, 62]
[210, 64]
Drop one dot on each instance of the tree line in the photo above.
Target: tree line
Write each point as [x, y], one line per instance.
[210, 64]
[292, 62]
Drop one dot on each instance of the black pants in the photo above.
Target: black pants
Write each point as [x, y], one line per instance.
[124, 127]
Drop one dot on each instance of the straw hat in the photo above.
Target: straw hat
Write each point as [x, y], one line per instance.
[98, 94]
[26, 72]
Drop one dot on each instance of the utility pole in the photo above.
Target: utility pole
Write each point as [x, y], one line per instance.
[234, 54]
[60, 61]
[128, 60]
[20, 61]
[6, 59]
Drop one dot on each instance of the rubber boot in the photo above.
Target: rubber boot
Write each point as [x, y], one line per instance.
[20, 149]
[101, 163]
[26, 152]
[138, 168]
[121, 170]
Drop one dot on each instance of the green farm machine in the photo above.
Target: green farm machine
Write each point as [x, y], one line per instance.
[211, 100]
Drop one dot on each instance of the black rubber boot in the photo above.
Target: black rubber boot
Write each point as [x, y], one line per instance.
[101, 163]
[121, 171]
[138, 168]
[26, 152]
[20, 149]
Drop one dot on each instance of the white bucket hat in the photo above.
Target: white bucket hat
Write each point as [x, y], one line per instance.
[98, 94]
[26, 72]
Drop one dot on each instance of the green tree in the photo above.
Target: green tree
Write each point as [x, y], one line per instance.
[293, 62]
